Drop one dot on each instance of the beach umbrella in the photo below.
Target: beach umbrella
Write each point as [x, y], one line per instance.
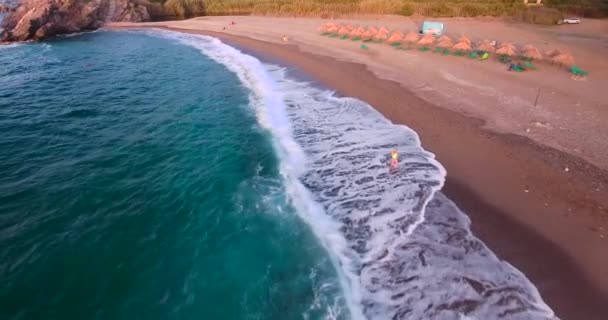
[427, 39]
[527, 47]
[411, 37]
[532, 53]
[333, 29]
[507, 45]
[506, 50]
[373, 30]
[444, 38]
[384, 30]
[464, 39]
[343, 31]
[564, 59]
[367, 35]
[356, 33]
[395, 37]
[552, 53]
[462, 46]
[445, 43]
[381, 36]
[322, 29]
[485, 45]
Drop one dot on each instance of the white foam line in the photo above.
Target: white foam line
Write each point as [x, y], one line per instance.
[270, 110]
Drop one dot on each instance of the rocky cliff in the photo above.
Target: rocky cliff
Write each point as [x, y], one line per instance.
[39, 19]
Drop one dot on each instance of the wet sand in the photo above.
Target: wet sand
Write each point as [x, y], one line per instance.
[547, 221]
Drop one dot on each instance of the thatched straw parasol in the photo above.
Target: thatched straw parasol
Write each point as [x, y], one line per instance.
[356, 33]
[381, 36]
[322, 29]
[333, 29]
[532, 53]
[343, 31]
[508, 45]
[427, 39]
[395, 37]
[506, 50]
[411, 37]
[445, 43]
[564, 59]
[443, 38]
[552, 53]
[464, 39]
[485, 45]
[361, 30]
[373, 30]
[384, 30]
[462, 46]
[527, 47]
[367, 35]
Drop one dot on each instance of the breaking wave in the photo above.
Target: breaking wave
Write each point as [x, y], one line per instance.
[402, 249]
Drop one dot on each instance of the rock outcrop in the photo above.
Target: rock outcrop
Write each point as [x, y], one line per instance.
[39, 19]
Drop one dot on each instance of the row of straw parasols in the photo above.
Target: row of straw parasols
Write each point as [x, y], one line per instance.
[463, 44]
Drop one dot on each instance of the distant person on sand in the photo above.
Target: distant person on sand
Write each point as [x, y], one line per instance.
[285, 38]
[394, 159]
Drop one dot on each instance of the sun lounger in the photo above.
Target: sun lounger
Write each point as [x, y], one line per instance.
[460, 53]
[437, 50]
[528, 65]
[504, 59]
[484, 56]
[344, 37]
[446, 52]
[473, 55]
[423, 49]
[364, 47]
[395, 44]
[575, 70]
[355, 39]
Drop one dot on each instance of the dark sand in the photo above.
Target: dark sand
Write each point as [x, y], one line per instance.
[522, 202]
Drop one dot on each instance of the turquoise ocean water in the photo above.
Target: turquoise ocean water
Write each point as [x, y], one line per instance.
[157, 175]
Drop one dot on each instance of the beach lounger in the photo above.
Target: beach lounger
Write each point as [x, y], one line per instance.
[344, 37]
[424, 49]
[395, 44]
[473, 55]
[364, 47]
[575, 70]
[529, 65]
[460, 53]
[437, 50]
[504, 59]
[446, 52]
[484, 56]
[355, 39]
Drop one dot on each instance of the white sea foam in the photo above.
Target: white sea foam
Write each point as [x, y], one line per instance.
[402, 249]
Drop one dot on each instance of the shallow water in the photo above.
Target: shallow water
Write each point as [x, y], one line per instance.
[154, 174]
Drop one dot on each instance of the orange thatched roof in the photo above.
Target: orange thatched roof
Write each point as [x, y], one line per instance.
[373, 30]
[333, 29]
[485, 45]
[361, 29]
[462, 46]
[506, 50]
[464, 39]
[384, 30]
[427, 39]
[395, 37]
[445, 43]
[532, 52]
[565, 59]
[322, 29]
[411, 37]
[343, 31]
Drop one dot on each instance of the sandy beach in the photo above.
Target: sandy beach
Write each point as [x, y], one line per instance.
[526, 153]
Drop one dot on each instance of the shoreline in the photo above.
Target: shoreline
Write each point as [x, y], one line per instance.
[487, 172]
